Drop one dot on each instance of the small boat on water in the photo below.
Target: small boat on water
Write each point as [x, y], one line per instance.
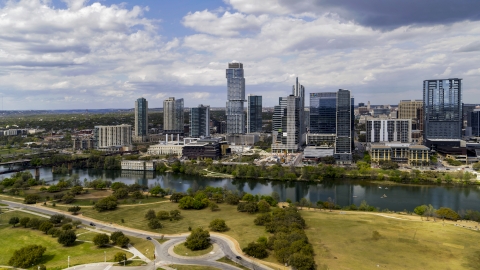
[380, 187]
[354, 196]
[384, 195]
[386, 188]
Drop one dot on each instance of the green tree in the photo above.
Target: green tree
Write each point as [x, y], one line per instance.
[256, 250]
[31, 199]
[45, 226]
[119, 257]
[115, 235]
[445, 212]
[74, 209]
[24, 221]
[67, 238]
[154, 223]
[14, 221]
[420, 210]
[107, 203]
[476, 166]
[218, 225]
[199, 239]
[163, 215]
[57, 218]
[150, 214]
[67, 198]
[213, 206]
[67, 227]
[263, 206]
[27, 256]
[101, 240]
[175, 214]
[123, 241]
[156, 190]
[302, 261]
[175, 197]
[121, 193]
[248, 197]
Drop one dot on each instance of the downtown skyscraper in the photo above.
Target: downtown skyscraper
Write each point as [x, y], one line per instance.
[141, 120]
[442, 101]
[344, 130]
[236, 98]
[254, 114]
[200, 121]
[173, 116]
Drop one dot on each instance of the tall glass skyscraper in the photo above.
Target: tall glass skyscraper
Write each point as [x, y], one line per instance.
[254, 114]
[200, 121]
[343, 140]
[236, 98]
[323, 112]
[141, 120]
[442, 107]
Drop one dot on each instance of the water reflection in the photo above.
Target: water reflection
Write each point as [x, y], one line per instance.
[393, 197]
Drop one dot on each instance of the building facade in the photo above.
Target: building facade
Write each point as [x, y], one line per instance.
[200, 121]
[141, 120]
[475, 122]
[112, 137]
[138, 165]
[173, 115]
[402, 153]
[344, 128]
[389, 130]
[323, 111]
[236, 98]
[254, 114]
[442, 109]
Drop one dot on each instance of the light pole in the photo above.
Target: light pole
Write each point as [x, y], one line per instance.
[105, 254]
[68, 262]
[124, 261]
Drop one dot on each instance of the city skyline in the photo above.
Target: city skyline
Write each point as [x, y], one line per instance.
[381, 52]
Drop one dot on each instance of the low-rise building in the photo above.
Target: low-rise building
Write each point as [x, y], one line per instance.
[204, 148]
[314, 154]
[138, 165]
[166, 148]
[401, 153]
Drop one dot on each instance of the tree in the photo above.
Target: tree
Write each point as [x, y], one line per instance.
[175, 214]
[175, 197]
[256, 250]
[213, 206]
[107, 203]
[67, 238]
[54, 232]
[157, 190]
[199, 239]
[74, 209]
[76, 223]
[476, 166]
[232, 199]
[67, 198]
[14, 221]
[31, 199]
[302, 261]
[263, 206]
[150, 214]
[24, 221]
[101, 240]
[445, 212]
[45, 226]
[57, 218]
[67, 227]
[275, 196]
[27, 256]
[420, 210]
[115, 235]
[154, 223]
[123, 241]
[163, 215]
[120, 257]
[218, 225]
[248, 197]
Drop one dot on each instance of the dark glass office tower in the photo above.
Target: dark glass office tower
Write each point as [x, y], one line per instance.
[343, 140]
[442, 106]
[141, 119]
[323, 112]
[199, 121]
[475, 122]
[236, 98]
[254, 114]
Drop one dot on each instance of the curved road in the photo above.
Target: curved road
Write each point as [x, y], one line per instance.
[161, 250]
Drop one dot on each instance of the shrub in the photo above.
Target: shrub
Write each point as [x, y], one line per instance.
[162, 215]
[199, 239]
[101, 240]
[154, 223]
[67, 227]
[67, 238]
[27, 256]
[31, 199]
[150, 214]
[24, 221]
[108, 203]
[34, 223]
[263, 206]
[445, 212]
[74, 209]
[14, 221]
[256, 250]
[218, 225]
[67, 198]
[119, 257]
[45, 226]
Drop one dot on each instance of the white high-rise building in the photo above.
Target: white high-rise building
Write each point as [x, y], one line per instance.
[173, 115]
[112, 137]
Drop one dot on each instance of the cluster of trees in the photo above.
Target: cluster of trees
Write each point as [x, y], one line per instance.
[57, 226]
[27, 256]
[218, 225]
[429, 211]
[197, 240]
[105, 204]
[289, 241]
[155, 218]
[17, 183]
[116, 238]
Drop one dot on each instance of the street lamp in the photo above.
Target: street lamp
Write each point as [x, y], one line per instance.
[105, 253]
[68, 262]
[124, 261]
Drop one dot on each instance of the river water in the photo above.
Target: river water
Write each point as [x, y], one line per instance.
[398, 197]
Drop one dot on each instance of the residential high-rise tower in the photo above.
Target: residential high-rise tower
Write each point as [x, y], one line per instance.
[254, 114]
[343, 140]
[236, 98]
[173, 115]
[199, 121]
[141, 120]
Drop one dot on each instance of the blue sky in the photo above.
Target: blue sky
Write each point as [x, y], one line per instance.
[84, 54]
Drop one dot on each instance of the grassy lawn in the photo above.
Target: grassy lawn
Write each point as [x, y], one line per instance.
[182, 250]
[56, 255]
[241, 225]
[191, 267]
[143, 245]
[344, 241]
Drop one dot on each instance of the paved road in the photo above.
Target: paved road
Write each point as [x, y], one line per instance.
[161, 251]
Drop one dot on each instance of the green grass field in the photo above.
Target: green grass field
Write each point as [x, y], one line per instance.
[56, 255]
[344, 241]
[182, 250]
[241, 225]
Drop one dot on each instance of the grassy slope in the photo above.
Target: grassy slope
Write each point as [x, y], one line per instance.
[56, 255]
[345, 242]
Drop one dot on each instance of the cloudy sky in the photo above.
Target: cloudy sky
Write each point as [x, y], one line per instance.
[86, 54]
